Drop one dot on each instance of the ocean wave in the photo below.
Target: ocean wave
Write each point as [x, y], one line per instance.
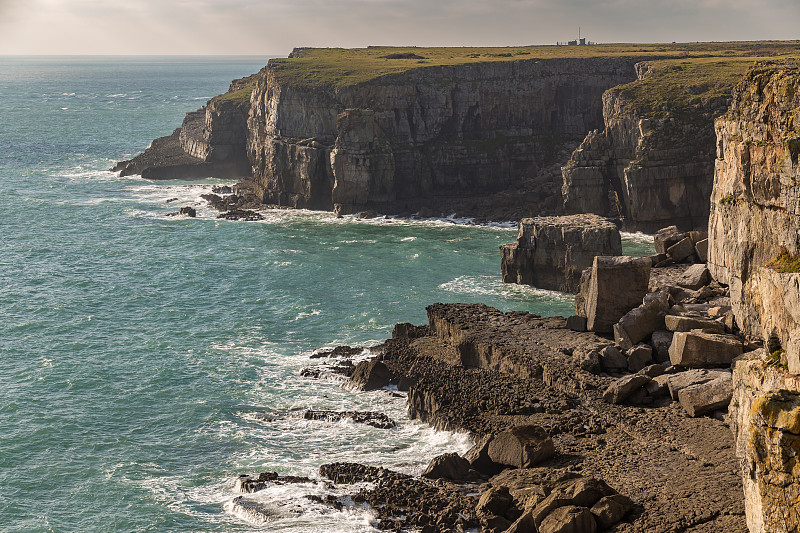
[492, 286]
[638, 237]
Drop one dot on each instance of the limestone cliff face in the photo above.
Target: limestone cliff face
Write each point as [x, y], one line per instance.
[650, 169]
[552, 252]
[765, 420]
[210, 142]
[755, 214]
[439, 131]
[755, 205]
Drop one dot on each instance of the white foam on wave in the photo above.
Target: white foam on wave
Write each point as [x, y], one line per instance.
[637, 237]
[286, 507]
[492, 286]
[304, 314]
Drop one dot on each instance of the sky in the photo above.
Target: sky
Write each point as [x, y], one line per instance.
[274, 27]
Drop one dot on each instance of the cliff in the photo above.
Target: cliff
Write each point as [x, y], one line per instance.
[653, 164]
[400, 141]
[754, 240]
[483, 132]
[210, 142]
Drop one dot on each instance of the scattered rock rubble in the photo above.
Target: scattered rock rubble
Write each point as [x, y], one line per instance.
[639, 407]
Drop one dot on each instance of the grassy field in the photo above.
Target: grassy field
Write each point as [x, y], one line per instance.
[337, 67]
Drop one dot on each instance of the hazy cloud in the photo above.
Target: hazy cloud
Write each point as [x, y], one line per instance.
[276, 26]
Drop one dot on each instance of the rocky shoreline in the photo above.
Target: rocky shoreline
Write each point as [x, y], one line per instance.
[669, 402]
[545, 429]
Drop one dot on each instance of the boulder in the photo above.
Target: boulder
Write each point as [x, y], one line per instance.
[696, 350]
[694, 277]
[661, 341]
[624, 387]
[371, 375]
[521, 447]
[612, 359]
[687, 323]
[707, 397]
[524, 524]
[681, 250]
[450, 466]
[478, 457]
[576, 323]
[611, 510]
[586, 491]
[639, 357]
[551, 252]
[639, 323]
[681, 380]
[666, 237]
[590, 361]
[554, 500]
[188, 211]
[653, 371]
[494, 524]
[701, 249]
[569, 519]
[657, 386]
[583, 291]
[617, 285]
[495, 501]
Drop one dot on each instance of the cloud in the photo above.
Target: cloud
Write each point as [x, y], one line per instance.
[276, 26]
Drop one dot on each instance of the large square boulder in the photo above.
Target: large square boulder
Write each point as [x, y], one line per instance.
[617, 285]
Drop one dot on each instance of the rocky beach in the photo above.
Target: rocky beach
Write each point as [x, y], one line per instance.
[669, 401]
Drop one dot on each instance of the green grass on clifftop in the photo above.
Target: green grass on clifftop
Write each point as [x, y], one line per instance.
[676, 86]
[337, 67]
[240, 91]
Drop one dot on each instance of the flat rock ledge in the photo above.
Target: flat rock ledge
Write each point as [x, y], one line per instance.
[474, 368]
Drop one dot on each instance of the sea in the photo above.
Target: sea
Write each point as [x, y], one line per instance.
[146, 360]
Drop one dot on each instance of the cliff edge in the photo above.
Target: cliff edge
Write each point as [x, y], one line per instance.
[754, 242]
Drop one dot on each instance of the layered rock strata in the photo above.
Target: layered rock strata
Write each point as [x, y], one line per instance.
[755, 205]
[400, 141]
[552, 252]
[210, 142]
[650, 168]
[754, 239]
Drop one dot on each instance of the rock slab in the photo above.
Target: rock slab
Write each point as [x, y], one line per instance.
[551, 252]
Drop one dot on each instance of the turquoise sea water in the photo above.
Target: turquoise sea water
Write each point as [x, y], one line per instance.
[135, 347]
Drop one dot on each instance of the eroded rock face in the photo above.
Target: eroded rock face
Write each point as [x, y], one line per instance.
[765, 419]
[755, 213]
[755, 205]
[614, 286]
[552, 252]
[210, 142]
[651, 171]
[442, 131]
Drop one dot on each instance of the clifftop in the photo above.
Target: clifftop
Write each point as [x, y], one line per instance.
[340, 67]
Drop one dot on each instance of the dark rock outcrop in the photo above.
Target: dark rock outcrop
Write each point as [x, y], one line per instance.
[211, 142]
[552, 252]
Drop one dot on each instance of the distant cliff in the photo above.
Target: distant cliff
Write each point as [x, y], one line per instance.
[653, 164]
[211, 141]
[483, 132]
[403, 141]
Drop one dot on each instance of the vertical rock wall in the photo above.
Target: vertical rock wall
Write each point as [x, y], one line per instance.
[755, 215]
[755, 204]
[651, 169]
[439, 131]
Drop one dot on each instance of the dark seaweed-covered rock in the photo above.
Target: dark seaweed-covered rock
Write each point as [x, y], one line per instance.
[369, 418]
